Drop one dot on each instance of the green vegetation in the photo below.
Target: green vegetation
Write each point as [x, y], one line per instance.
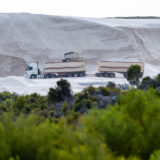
[148, 82]
[61, 92]
[134, 74]
[65, 108]
[131, 127]
[128, 130]
[139, 17]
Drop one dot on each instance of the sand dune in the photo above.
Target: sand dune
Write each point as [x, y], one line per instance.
[29, 37]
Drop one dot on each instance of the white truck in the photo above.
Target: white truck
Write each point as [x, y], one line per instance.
[109, 68]
[55, 69]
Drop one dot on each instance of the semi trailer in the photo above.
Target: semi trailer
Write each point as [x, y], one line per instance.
[109, 68]
[55, 69]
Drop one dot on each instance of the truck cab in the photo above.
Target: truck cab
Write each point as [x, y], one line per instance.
[32, 71]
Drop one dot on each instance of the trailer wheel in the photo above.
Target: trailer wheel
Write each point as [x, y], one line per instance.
[75, 75]
[46, 76]
[125, 75]
[52, 76]
[81, 75]
[33, 76]
[106, 75]
[71, 75]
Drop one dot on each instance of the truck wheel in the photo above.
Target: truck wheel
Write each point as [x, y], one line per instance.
[46, 76]
[112, 75]
[33, 76]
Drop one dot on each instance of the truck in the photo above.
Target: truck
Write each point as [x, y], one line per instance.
[55, 69]
[109, 68]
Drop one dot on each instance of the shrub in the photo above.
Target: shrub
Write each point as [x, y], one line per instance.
[134, 74]
[90, 90]
[105, 91]
[30, 138]
[65, 108]
[64, 87]
[6, 105]
[111, 85]
[54, 95]
[147, 82]
[20, 102]
[83, 105]
[155, 155]
[131, 127]
[60, 93]
[157, 79]
[26, 104]
[7, 95]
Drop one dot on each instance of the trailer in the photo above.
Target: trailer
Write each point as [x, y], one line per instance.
[55, 70]
[109, 68]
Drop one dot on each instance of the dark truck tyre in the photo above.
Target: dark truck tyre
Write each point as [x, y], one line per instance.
[99, 74]
[81, 74]
[112, 75]
[33, 76]
[49, 76]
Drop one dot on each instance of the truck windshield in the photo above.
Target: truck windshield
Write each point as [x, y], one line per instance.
[28, 68]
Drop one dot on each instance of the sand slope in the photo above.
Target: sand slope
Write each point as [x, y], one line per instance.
[29, 37]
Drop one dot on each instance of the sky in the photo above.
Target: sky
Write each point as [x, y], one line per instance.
[83, 8]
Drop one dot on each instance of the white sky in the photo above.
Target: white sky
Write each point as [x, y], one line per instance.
[84, 8]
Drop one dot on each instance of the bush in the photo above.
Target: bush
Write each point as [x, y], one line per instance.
[65, 108]
[134, 74]
[7, 95]
[148, 82]
[20, 102]
[83, 105]
[65, 88]
[157, 79]
[32, 138]
[131, 127]
[111, 85]
[90, 90]
[60, 93]
[155, 155]
[127, 131]
[105, 91]
[6, 105]
[26, 104]
[54, 95]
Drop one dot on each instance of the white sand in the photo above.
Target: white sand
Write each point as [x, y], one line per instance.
[21, 85]
[24, 86]
[31, 37]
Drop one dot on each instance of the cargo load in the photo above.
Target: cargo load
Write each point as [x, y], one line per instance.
[109, 68]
